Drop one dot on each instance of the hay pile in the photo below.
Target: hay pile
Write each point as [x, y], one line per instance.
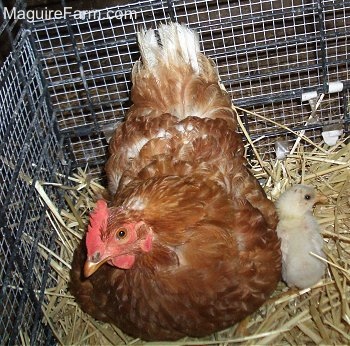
[319, 315]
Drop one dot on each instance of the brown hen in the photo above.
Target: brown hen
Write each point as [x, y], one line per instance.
[186, 244]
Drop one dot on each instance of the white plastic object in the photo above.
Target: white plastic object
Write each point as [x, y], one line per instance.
[309, 95]
[331, 137]
[335, 87]
[282, 150]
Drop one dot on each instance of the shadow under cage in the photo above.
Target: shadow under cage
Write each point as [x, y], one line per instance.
[65, 83]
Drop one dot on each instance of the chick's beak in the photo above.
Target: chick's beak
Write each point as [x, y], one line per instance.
[91, 265]
[319, 198]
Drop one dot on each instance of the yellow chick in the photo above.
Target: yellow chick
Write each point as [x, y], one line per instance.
[300, 234]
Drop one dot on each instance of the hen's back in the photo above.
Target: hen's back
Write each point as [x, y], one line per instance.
[181, 122]
[180, 119]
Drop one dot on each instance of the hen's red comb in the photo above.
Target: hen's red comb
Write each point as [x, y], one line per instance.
[98, 224]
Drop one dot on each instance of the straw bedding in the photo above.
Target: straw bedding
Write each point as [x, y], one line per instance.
[319, 315]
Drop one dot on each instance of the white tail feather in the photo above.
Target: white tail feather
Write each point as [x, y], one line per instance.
[178, 44]
[149, 47]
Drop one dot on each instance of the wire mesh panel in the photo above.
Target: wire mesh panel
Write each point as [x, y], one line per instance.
[87, 63]
[268, 52]
[29, 149]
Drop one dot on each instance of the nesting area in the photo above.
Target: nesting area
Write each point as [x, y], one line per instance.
[65, 83]
[318, 315]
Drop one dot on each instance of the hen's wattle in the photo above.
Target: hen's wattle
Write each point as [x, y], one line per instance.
[206, 253]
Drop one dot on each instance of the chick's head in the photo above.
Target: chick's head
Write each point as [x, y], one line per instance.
[298, 200]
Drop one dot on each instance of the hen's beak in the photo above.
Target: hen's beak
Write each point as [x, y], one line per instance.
[319, 198]
[91, 266]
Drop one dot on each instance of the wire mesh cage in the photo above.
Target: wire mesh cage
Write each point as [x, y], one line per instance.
[65, 82]
[30, 145]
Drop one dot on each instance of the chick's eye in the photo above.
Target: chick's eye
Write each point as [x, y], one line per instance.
[307, 197]
[121, 233]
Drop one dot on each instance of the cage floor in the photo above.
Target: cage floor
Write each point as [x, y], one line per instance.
[317, 315]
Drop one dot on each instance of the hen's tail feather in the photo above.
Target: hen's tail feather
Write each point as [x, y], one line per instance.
[177, 43]
[149, 47]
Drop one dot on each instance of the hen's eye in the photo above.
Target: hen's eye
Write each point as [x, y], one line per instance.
[307, 197]
[121, 233]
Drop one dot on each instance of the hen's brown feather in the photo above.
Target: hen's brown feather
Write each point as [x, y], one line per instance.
[208, 268]
[177, 164]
